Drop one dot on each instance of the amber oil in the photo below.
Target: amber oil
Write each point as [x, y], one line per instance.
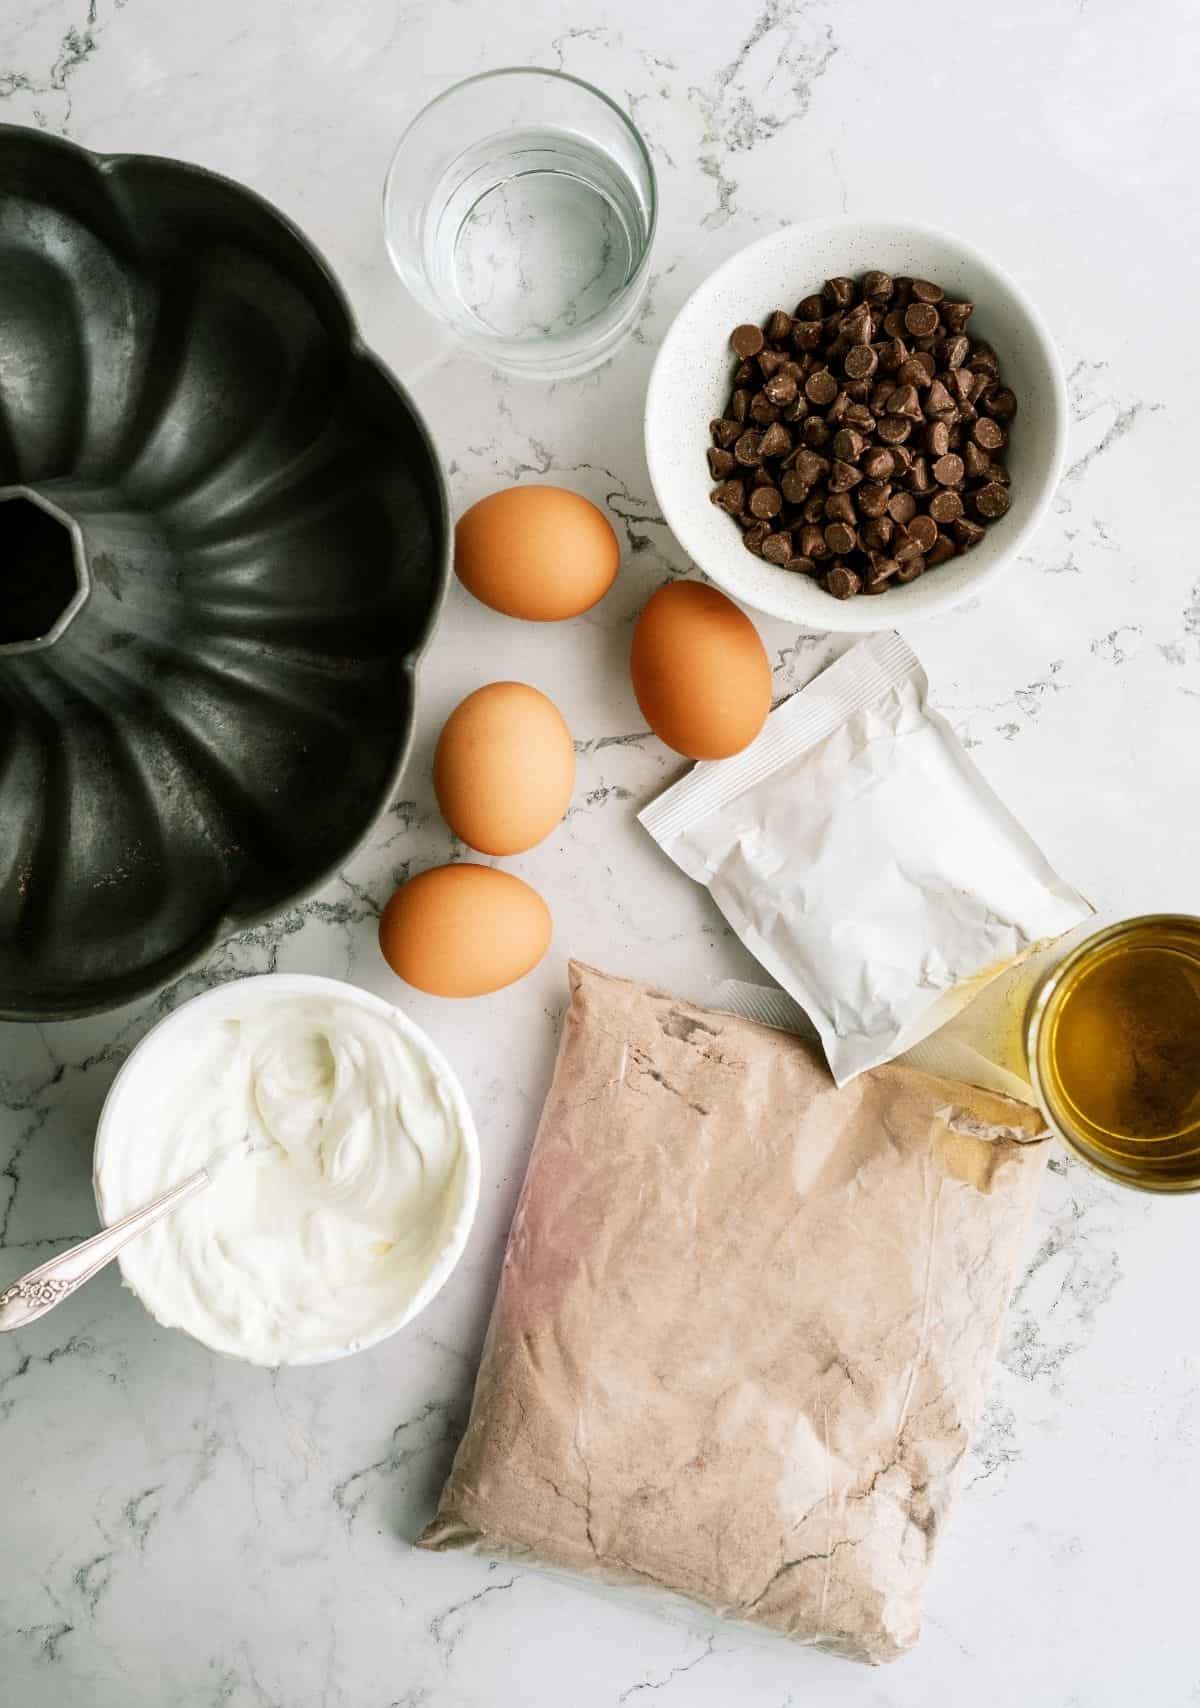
[1113, 1046]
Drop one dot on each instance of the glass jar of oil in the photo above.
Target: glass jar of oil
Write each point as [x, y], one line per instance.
[1113, 1046]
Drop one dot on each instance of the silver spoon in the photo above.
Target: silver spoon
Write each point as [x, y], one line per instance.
[43, 1288]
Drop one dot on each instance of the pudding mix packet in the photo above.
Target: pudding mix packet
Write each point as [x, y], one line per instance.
[863, 859]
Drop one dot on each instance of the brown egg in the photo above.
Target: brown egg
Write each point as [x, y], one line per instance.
[464, 930]
[700, 672]
[504, 768]
[537, 552]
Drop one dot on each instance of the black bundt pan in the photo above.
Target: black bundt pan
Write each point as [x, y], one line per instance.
[224, 542]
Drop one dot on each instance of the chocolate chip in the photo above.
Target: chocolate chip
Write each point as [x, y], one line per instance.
[801, 566]
[781, 389]
[872, 497]
[859, 417]
[838, 408]
[842, 476]
[992, 500]
[724, 432]
[775, 442]
[948, 470]
[809, 466]
[893, 323]
[941, 551]
[937, 438]
[902, 507]
[967, 533]
[814, 507]
[877, 533]
[842, 582]
[765, 502]
[763, 410]
[955, 315]
[997, 471]
[923, 291]
[860, 363]
[848, 445]
[756, 537]
[807, 334]
[762, 477]
[910, 570]
[894, 429]
[857, 391]
[777, 548]
[920, 480]
[917, 370]
[955, 350]
[877, 286]
[839, 291]
[882, 571]
[840, 538]
[902, 459]
[893, 355]
[982, 360]
[747, 449]
[908, 549]
[821, 387]
[729, 496]
[812, 542]
[856, 325]
[921, 319]
[923, 531]
[746, 340]
[810, 307]
[1001, 402]
[798, 410]
[770, 362]
[988, 434]
[945, 507]
[904, 401]
[976, 462]
[779, 326]
[794, 489]
[939, 402]
[721, 464]
[739, 404]
[839, 507]
[878, 463]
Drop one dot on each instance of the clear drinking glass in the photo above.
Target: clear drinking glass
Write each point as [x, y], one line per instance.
[520, 209]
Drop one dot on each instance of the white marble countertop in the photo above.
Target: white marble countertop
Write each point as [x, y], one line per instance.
[179, 1529]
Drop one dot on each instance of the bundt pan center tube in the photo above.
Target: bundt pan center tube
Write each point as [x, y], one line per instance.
[224, 545]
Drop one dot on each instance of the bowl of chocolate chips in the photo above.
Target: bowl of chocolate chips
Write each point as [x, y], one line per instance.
[849, 410]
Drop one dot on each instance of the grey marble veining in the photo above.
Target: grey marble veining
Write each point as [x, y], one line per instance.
[181, 1529]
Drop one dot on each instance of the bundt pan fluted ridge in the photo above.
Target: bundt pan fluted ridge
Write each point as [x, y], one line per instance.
[224, 542]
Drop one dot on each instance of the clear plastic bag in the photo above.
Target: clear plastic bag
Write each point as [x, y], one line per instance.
[744, 1323]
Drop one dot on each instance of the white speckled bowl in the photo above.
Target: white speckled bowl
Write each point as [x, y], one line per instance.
[690, 385]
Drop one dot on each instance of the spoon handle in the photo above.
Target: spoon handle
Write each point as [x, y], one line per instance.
[39, 1291]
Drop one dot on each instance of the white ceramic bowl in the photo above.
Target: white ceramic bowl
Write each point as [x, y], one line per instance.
[163, 1038]
[690, 385]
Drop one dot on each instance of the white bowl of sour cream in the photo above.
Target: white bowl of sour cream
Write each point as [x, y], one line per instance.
[344, 1158]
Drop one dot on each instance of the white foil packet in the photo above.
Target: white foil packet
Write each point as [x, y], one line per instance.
[863, 859]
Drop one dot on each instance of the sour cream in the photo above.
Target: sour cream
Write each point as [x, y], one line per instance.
[342, 1157]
